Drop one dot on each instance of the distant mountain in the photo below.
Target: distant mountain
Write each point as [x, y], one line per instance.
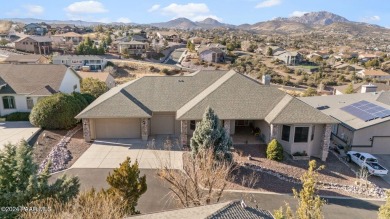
[184, 23]
[321, 18]
[34, 20]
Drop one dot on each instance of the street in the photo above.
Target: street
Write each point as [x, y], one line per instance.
[157, 197]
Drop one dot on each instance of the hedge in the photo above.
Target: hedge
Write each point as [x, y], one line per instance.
[58, 111]
[17, 116]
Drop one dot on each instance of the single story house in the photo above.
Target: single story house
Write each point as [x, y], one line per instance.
[27, 59]
[367, 57]
[212, 54]
[364, 119]
[69, 37]
[22, 85]
[362, 88]
[34, 44]
[101, 76]
[373, 74]
[232, 209]
[63, 28]
[347, 66]
[155, 105]
[290, 58]
[169, 36]
[82, 62]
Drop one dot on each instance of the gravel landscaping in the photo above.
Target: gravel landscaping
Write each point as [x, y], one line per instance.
[266, 175]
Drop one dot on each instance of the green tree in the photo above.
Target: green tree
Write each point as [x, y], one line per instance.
[20, 182]
[3, 42]
[349, 89]
[309, 203]
[309, 92]
[126, 182]
[270, 52]
[384, 210]
[210, 133]
[56, 111]
[93, 87]
[87, 47]
[274, 151]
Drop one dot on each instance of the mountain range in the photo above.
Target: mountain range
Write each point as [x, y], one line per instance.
[307, 22]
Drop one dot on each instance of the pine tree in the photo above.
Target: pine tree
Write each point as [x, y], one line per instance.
[349, 89]
[210, 133]
[127, 182]
[384, 210]
[20, 182]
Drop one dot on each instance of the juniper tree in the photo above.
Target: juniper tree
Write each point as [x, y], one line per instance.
[210, 133]
[126, 182]
[20, 182]
[384, 210]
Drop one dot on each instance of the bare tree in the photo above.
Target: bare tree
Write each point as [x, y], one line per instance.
[202, 180]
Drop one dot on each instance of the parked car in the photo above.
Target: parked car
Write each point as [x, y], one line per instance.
[367, 161]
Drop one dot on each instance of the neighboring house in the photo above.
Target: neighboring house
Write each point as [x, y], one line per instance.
[133, 48]
[27, 59]
[69, 37]
[232, 209]
[290, 58]
[348, 67]
[35, 29]
[315, 55]
[362, 88]
[169, 36]
[197, 40]
[101, 76]
[22, 85]
[212, 54]
[364, 119]
[373, 74]
[139, 38]
[367, 57]
[275, 49]
[155, 105]
[34, 44]
[63, 28]
[82, 62]
[211, 45]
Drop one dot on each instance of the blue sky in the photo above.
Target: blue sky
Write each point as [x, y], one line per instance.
[228, 11]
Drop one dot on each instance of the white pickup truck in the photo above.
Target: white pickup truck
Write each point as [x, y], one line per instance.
[366, 160]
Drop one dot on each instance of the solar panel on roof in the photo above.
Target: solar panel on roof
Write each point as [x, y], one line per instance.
[366, 111]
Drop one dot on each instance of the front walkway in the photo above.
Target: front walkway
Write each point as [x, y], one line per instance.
[14, 132]
[109, 153]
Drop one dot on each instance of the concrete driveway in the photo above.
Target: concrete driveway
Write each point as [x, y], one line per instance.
[13, 132]
[384, 160]
[109, 153]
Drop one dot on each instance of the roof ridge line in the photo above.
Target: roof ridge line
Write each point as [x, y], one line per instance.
[206, 92]
[281, 109]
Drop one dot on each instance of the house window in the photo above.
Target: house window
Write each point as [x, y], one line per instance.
[9, 102]
[74, 87]
[301, 134]
[30, 102]
[286, 133]
[192, 124]
[312, 132]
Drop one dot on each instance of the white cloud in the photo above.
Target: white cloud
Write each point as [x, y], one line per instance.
[192, 11]
[86, 7]
[371, 18]
[154, 8]
[34, 9]
[297, 14]
[268, 3]
[123, 20]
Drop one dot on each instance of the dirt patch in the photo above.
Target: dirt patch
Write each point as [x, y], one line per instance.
[47, 139]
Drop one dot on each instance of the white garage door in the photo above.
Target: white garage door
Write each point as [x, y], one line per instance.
[381, 145]
[163, 124]
[118, 128]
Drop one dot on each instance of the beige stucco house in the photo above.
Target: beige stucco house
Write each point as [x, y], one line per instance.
[22, 85]
[155, 105]
[365, 134]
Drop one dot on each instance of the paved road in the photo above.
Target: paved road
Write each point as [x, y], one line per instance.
[157, 196]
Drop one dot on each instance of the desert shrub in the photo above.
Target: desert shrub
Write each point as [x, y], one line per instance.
[275, 151]
[165, 71]
[17, 116]
[56, 112]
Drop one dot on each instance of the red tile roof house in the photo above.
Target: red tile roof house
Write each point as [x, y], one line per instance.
[157, 105]
[22, 85]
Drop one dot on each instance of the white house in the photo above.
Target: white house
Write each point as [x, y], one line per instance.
[23, 85]
[78, 62]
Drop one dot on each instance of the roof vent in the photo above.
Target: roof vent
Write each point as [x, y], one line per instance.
[180, 80]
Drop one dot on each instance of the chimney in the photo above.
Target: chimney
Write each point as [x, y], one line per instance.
[369, 88]
[266, 80]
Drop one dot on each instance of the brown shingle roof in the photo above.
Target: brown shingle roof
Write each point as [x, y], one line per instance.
[23, 58]
[28, 79]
